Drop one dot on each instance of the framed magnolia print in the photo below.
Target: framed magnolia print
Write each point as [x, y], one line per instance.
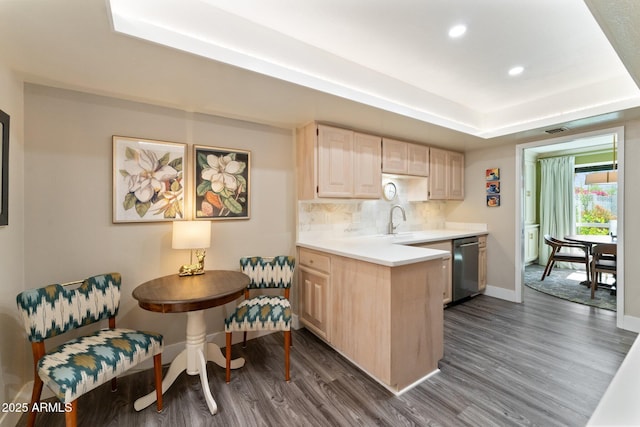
[222, 183]
[4, 164]
[148, 180]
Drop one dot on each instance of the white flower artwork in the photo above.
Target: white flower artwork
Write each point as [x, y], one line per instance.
[221, 183]
[148, 180]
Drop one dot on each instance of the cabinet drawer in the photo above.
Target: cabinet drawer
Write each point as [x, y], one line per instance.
[314, 260]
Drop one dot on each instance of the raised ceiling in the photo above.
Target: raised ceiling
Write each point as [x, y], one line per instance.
[398, 55]
[377, 65]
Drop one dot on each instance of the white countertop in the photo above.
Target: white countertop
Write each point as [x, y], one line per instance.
[389, 250]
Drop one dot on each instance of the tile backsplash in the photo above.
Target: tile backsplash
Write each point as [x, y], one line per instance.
[336, 218]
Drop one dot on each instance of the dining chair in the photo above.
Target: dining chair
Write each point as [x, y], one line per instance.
[604, 261]
[561, 251]
[263, 312]
[83, 363]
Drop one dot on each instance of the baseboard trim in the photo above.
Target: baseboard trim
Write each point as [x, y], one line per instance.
[500, 293]
[631, 323]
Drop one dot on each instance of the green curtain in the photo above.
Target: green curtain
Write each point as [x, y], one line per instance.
[557, 214]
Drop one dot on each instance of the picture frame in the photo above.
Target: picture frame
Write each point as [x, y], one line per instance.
[222, 183]
[493, 201]
[4, 173]
[493, 187]
[148, 180]
[492, 174]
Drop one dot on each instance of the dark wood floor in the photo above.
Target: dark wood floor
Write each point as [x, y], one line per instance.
[546, 362]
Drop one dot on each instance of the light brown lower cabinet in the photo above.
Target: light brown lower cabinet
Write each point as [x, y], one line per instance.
[314, 283]
[386, 320]
[445, 245]
[482, 262]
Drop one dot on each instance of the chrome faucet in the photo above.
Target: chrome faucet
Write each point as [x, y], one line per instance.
[391, 229]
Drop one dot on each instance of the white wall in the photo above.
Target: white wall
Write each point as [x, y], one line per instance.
[500, 220]
[69, 232]
[15, 353]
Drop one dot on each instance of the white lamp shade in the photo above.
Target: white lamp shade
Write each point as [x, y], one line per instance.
[191, 234]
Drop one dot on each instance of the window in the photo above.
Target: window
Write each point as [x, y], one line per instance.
[595, 204]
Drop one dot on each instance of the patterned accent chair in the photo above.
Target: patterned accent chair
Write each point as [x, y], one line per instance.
[264, 312]
[82, 364]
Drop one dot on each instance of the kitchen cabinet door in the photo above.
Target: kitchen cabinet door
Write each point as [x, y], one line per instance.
[367, 176]
[447, 278]
[455, 162]
[417, 160]
[438, 171]
[314, 281]
[446, 175]
[314, 287]
[531, 237]
[394, 156]
[335, 162]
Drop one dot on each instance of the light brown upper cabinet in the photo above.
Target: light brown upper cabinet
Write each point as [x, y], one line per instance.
[337, 163]
[446, 179]
[404, 158]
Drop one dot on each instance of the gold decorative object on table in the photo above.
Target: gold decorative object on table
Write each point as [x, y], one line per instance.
[193, 235]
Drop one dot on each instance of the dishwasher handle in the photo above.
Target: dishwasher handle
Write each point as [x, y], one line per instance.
[464, 245]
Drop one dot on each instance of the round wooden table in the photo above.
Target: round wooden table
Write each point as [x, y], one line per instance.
[192, 295]
[591, 239]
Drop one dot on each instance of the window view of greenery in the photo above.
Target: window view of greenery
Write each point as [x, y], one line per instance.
[595, 205]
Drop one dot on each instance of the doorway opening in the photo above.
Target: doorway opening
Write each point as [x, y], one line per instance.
[596, 207]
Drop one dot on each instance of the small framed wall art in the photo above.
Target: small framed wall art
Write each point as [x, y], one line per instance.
[492, 187]
[222, 183]
[148, 180]
[493, 201]
[492, 174]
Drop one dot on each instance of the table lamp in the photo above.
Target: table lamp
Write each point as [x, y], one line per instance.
[193, 235]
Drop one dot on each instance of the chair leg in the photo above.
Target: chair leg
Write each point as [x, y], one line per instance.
[35, 398]
[548, 267]
[71, 417]
[114, 384]
[287, 345]
[157, 370]
[244, 340]
[594, 279]
[228, 356]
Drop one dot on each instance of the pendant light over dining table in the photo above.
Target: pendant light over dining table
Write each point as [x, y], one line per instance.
[605, 177]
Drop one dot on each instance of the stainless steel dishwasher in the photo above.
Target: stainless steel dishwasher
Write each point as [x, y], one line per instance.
[465, 268]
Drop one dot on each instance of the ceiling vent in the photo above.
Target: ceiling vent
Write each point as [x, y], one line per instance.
[556, 130]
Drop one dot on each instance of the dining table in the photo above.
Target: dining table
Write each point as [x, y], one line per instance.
[192, 295]
[590, 240]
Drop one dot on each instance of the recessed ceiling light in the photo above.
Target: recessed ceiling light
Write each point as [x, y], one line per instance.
[515, 71]
[457, 31]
